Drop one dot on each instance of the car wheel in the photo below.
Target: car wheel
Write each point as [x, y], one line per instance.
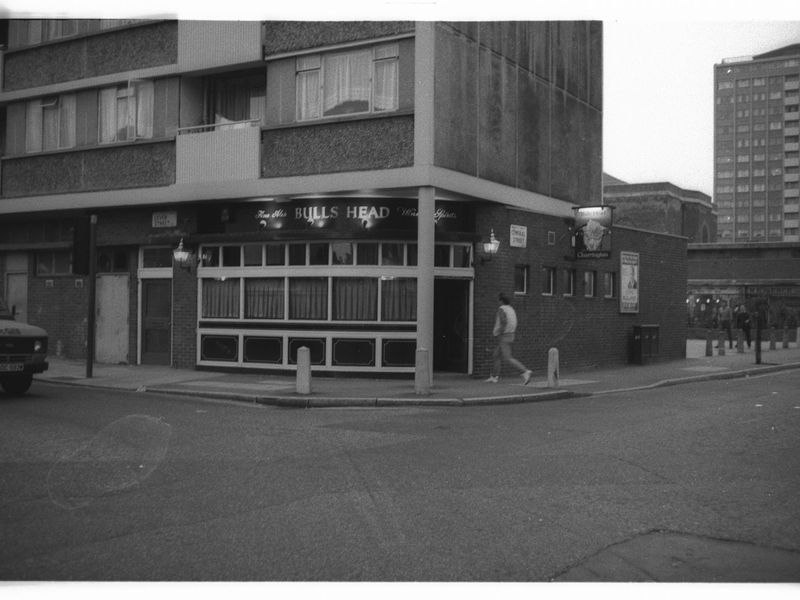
[17, 384]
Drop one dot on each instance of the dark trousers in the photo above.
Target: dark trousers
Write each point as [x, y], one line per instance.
[726, 325]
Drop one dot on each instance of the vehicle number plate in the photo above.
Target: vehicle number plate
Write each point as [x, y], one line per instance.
[11, 366]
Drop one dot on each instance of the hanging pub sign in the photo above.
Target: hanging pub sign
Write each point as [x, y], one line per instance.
[351, 215]
[593, 231]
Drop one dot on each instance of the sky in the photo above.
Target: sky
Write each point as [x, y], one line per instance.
[658, 62]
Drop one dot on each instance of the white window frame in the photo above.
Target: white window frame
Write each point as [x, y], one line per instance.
[137, 118]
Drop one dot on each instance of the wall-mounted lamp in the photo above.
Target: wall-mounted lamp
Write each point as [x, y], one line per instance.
[490, 248]
[183, 257]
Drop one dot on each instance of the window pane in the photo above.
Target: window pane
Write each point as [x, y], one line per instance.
[441, 255]
[68, 105]
[342, 253]
[231, 256]
[391, 254]
[211, 256]
[276, 254]
[462, 256]
[33, 126]
[297, 254]
[412, 255]
[63, 262]
[108, 114]
[153, 258]
[399, 299]
[521, 279]
[252, 255]
[355, 299]
[308, 298]
[318, 254]
[220, 298]
[367, 254]
[346, 83]
[263, 298]
[385, 85]
[50, 124]
[308, 97]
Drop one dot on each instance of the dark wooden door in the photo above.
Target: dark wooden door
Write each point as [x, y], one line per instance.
[156, 321]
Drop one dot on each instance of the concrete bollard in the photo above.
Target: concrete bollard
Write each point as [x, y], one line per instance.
[740, 341]
[552, 368]
[422, 374]
[721, 343]
[710, 342]
[303, 370]
[772, 338]
[785, 340]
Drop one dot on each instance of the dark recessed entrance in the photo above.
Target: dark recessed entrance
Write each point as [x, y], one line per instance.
[451, 325]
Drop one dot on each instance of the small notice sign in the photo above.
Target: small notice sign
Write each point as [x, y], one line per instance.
[518, 236]
[165, 219]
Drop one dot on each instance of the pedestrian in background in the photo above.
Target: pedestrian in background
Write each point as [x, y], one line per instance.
[743, 322]
[725, 317]
[505, 327]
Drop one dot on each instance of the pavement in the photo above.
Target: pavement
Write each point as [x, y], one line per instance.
[448, 389]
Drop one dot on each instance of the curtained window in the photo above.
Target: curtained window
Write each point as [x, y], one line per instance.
[263, 298]
[220, 298]
[352, 82]
[399, 299]
[308, 298]
[355, 299]
[126, 112]
[50, 123]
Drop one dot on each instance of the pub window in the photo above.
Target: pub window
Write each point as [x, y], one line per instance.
[355, 299]
[342, 253]
[398, 299]
[549, 281]
[264, 298]
[391, 254]
[220, 298]
[297, 254]
[112, 260]
[441, 255]
[568, 278]
[367, 253]
[275, 254]
[589, 282]
[609, 284]
[252, 255]
[462, 256]
[318, 253]
[351, 82]
[156, 258]
[521, 279]
[231, 256]
[308, 298]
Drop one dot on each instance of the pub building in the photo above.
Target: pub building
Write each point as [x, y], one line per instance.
[244, 189]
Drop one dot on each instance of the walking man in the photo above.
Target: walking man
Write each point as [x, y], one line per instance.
[725, 317]
[505, 326]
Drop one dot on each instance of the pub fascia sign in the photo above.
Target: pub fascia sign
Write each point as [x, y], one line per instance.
[593, 231]
[354, 215]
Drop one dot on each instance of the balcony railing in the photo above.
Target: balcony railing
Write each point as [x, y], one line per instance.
[220, 152]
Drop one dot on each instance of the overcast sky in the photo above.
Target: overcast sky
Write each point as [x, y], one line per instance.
[658, 60]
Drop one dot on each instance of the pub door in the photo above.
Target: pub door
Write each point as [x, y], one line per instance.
[451, 325]
[156, 321]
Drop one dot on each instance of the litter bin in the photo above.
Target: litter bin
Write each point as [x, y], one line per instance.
[644, 347]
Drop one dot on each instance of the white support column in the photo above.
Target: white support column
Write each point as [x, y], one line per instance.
[424, 63]
[425, 248]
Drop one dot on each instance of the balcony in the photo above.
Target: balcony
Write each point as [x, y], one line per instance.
[220, 152]
[211, 44]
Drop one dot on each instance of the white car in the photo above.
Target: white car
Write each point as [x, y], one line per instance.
[23, 352]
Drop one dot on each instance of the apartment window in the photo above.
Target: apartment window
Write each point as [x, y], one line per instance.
[521, 279]
[50, 123]
[589, 283]
[237, 98]
[126, 112]
[609, 284]
[549, 282]
[775, 95]
[568, 280]
[53, 262]
[725, 85]
[759, 81]
[352, 82]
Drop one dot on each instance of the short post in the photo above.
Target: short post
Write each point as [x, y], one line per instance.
[721, 343]
[772, 338]
[785, 341]
[303, 370]
[552, 368]
[740, 341]
[709, 342]
[422, 375]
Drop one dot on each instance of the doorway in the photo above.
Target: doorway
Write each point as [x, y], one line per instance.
[451, 325]
[156, 321]
[112, 322]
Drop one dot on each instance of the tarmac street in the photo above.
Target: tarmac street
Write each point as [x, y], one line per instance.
[691, 482]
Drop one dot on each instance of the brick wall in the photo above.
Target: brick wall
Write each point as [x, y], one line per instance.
[587, 331]
[184, 318]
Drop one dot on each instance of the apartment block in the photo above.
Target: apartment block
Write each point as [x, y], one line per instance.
[757, 147]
